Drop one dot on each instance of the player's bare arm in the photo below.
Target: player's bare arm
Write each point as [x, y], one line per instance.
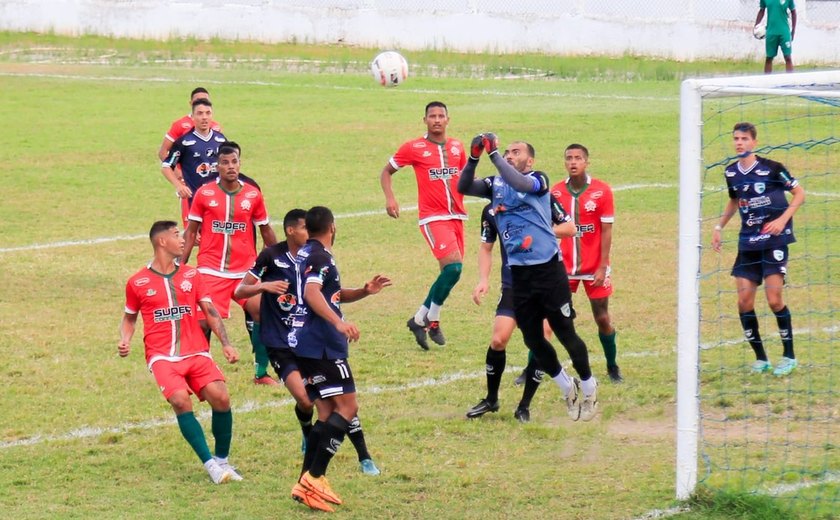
[606, 246]
[776, 226]
[268, 236]
[392, 207]
[165, 146]
[566, 229]
[376, 284]
[183, 191]
[485, 262]
[214, 321]
[728, 212]
[127, 326]
[792, 24]
[318, 304]
[250, 286]
[190, 235]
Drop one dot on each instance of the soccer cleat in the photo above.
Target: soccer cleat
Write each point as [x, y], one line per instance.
[589, 405]
[225, 465]
[615, 374]
[760, 367]
[368, 467]
[217, 474]
[266, 380]
[785, 366]
[320, 487]
[522, 414]
[436, 334]
[310, 499]
[482, 408]
[572, 401]
[419, 332]
[520, 380]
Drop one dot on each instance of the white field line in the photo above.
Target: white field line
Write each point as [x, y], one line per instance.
[367, 213]
[484, 92]
[87, 432]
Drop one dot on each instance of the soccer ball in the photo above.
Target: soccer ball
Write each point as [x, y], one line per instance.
[759, 31]
[389, 68]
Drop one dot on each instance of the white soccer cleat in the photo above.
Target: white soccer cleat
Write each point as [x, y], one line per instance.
[225, 465]
[217, 474]
[589, 405]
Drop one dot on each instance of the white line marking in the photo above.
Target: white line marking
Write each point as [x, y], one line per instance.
[663, 513]
[367, 213]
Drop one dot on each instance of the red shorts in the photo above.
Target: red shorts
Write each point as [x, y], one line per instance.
[190, 374]
[444, 236]
[592, 292]
[221, 292]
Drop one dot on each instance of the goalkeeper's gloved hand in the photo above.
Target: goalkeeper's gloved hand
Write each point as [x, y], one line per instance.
[476, 147]
[491, 143]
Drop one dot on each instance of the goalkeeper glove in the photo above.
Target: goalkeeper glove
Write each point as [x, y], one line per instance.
[491, 143]
[476, 146]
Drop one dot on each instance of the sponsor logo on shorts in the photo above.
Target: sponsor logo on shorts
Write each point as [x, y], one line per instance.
[566, 309]
[317, 380]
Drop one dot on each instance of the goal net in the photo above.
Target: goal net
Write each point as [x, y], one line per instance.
[736, 430]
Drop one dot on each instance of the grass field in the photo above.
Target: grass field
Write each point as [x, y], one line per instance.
[85, 433]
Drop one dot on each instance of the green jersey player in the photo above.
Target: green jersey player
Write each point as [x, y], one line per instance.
[779, 33]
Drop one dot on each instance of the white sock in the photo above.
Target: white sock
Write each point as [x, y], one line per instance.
[434, 312]
[588, 386]
[564, 382]
[420, 316]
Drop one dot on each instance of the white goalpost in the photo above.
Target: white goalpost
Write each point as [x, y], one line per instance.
[757, 427]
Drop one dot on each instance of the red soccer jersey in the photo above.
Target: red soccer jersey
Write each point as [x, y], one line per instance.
[228, 247]
[590, 208]
[168, 305]
[184, 125]
[437, 168]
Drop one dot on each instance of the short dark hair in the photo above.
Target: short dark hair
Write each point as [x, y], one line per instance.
[575, 146]
[198, 90]
[293, 216]
[228, 147]
[531, 152]
[745, 127]
[161, 226]
[318, 220]
[436, 104]
[201, 101]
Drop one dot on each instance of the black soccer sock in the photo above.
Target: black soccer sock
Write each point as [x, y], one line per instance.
[305, 420]
[312, 442]
[357, 437]
[533, 377]
[495, 368]
[785, 331]
[749, 322]
[333, 435]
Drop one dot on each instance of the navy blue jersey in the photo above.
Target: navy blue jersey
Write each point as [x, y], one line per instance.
[760, 192]
[198, 157]
[524, 220]
[316, 338]
[279, 313]
[489, 235]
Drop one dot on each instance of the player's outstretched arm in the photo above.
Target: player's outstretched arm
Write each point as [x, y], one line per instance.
[392, 207]
[376, 284]
[127, 326]
[251, 286]
[214, 321]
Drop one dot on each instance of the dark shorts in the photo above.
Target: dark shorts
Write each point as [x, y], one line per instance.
[505, 305]
[540, 291]
[283, 360]
[758, 265]
[326, 378]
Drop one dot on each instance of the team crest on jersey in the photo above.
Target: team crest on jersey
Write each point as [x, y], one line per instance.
[590, 206]
[190, 274]
[245, 205]
[140, 282]
[455, 151]
[151, 292]
[186, 286]
[213, 203]
[778, 255]
[759, 187]
[427, 153]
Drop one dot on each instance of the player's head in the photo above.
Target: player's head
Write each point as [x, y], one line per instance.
[520, 155]
[576, 159]
[436, 118]
[165, 236]
[744, 138]
[320, 223]
[294, 226]
[228, 161]
[202, 114]
[199, 93]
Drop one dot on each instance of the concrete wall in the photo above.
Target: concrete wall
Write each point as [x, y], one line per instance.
[680, 29]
